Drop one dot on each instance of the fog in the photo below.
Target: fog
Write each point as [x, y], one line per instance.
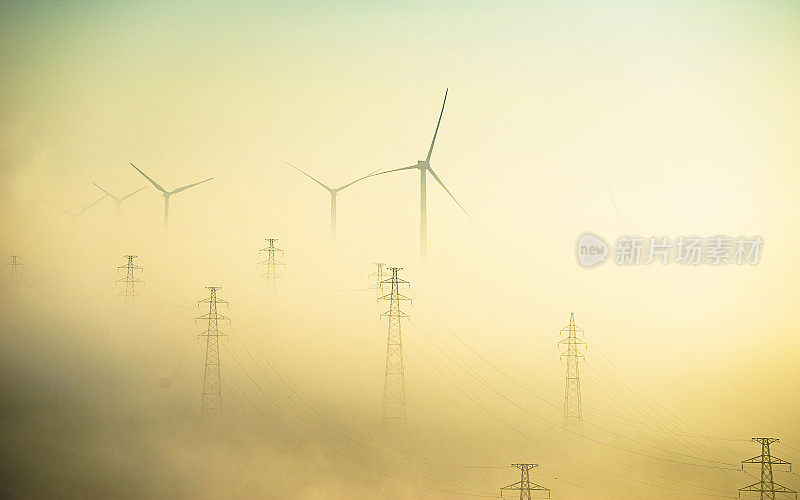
[688, 114]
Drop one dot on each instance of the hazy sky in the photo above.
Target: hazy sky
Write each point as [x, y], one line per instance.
[688, 111]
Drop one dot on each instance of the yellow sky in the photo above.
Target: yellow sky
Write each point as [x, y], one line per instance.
[689, 113]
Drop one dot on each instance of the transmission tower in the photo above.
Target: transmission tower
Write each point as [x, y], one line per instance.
[212, 391]
[573, 414]
[378, 275]
[766, 487]
[394, 386]
[271, 264]
[524, 485]
[15, 264]
[130, 280]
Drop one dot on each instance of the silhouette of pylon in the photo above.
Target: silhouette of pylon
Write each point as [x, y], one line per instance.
[130, 280]
[767, 487]
[271, 265]
[573, 413]
[378, 275]
[394, 386]
[524, 485]
[212, 385]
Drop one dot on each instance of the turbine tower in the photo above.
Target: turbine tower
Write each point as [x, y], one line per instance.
[118, 200]
[394, 386]
[333, 193]
[74, 215]
[573, 414]
[424, 166]
[166, 193]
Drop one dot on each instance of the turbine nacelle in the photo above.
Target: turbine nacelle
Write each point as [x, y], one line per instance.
[166, 193]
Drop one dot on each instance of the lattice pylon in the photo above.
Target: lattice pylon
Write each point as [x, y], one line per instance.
[131, 280]
[212, 383]
[573, 412]
[766, 487]
[271, 265]
[524, 485]
[394, 387]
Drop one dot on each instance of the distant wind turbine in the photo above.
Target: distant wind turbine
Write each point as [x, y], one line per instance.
[166, 193]
[118, 200]
[616, 210]
[333, 192]
[73, 215]
[424, 166]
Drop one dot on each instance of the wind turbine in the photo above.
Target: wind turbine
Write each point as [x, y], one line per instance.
[333, 192]
[73, 215]
[616, 210]
[166, 193]
[424, 166]
[118, 200]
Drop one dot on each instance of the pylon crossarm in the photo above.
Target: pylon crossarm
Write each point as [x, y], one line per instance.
[400, 296]
[389, 281]
[756, 488]
[209, 333]
[129, 280]
[218, 302]
[399, 314]
[215, 316]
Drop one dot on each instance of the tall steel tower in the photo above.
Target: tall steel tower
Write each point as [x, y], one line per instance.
[573, 414]
[271, 264]
[378, 275]
[130, 280]
[766, 487]
[394, 386]
[212, 391]
[524, 485]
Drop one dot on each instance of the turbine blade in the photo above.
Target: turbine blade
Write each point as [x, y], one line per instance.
[374, 172]
[309, 176]
[133, 193]
[448, 192]
[613, 203]
[184, 188]
[154, 183]
[393, 170]
[87, 207]
[57, 207]
[106, 192]
[430, 151]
